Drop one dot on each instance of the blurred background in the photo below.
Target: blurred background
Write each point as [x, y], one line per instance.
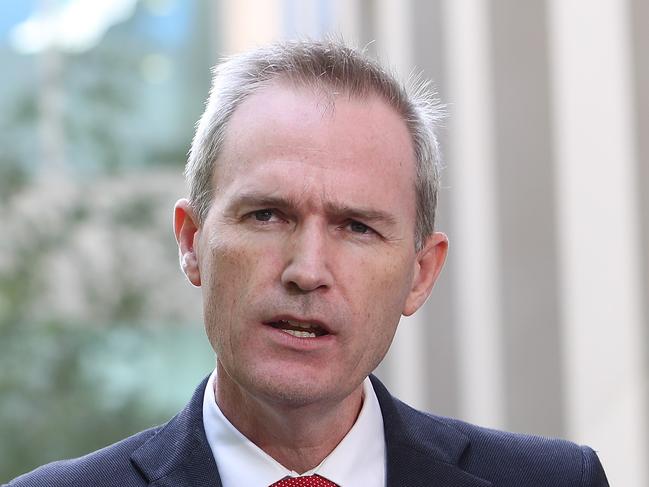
[539, 323]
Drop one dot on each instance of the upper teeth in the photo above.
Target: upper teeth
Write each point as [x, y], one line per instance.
[306, 326]
[306, 330]
[301, 334]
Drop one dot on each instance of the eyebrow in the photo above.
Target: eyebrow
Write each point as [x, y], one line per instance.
[333, 209]
[368, 215]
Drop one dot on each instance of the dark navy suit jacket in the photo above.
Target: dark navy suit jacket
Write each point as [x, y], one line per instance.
[422, 451]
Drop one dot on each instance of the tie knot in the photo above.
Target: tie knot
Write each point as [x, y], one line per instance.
[305, 481]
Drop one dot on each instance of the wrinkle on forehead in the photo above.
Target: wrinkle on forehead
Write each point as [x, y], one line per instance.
[278, 141]
[322, 96]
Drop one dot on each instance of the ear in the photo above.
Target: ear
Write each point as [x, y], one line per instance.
[428, 264]
[185, 228]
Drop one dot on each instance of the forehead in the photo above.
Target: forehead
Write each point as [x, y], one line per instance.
[356, 150]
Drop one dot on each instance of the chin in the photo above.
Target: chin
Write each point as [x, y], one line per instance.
[295, 391]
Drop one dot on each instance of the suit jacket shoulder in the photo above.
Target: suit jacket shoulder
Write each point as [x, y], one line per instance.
[175, 454]
[422, 450]
[107, 467]
[517, 459]
[445, 451]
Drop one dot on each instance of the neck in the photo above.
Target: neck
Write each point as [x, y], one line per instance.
[297, 436]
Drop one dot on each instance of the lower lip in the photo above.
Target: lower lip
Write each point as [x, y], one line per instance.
[299, 343]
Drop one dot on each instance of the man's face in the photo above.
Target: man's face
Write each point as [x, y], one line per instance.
[307, 257]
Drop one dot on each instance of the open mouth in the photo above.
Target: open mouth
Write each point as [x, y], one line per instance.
[299, 329]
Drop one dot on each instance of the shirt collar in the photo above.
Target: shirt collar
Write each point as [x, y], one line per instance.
[358, 460]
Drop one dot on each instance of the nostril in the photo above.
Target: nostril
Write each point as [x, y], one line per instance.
[301, 286]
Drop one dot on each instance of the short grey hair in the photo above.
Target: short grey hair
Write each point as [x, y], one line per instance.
[329, 64]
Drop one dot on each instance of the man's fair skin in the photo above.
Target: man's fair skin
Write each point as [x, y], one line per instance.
[306, 261]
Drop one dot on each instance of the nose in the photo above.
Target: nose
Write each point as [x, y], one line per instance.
[307, 267]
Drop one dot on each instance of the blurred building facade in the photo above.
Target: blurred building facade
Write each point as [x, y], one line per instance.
[539, 323]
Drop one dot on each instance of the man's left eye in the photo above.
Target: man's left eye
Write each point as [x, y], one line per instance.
[358, 227]
[263, 215]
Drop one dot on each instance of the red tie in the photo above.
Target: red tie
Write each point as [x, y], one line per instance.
[306, 481]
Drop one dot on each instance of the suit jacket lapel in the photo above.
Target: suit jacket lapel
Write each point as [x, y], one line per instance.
[179, 454]
[422, 451]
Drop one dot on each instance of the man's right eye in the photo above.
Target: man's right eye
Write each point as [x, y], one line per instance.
[263, 215]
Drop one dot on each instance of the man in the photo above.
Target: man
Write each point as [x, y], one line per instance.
[310, 229]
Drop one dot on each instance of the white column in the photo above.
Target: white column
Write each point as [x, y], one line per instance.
[394, 28]
[301, 18]
[598, 233]
[406, 357]
[247, 24]
[346, 14]
[475, 241]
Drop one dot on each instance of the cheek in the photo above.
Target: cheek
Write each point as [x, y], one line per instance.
[233, 274]
[225, 264]
[224, 270]
[390, 278]
[378, 307]
[381, 293]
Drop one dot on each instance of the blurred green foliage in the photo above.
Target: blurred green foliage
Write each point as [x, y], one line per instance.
[94, 344]
[100, 336]
[67, 390]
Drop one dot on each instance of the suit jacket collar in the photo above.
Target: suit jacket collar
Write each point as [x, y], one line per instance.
[422, 451]
[179, 454]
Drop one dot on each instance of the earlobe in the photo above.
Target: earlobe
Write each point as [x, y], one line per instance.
[429, 263]
[185, 228]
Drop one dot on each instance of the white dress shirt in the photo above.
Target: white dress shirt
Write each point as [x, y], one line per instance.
[357, 461]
